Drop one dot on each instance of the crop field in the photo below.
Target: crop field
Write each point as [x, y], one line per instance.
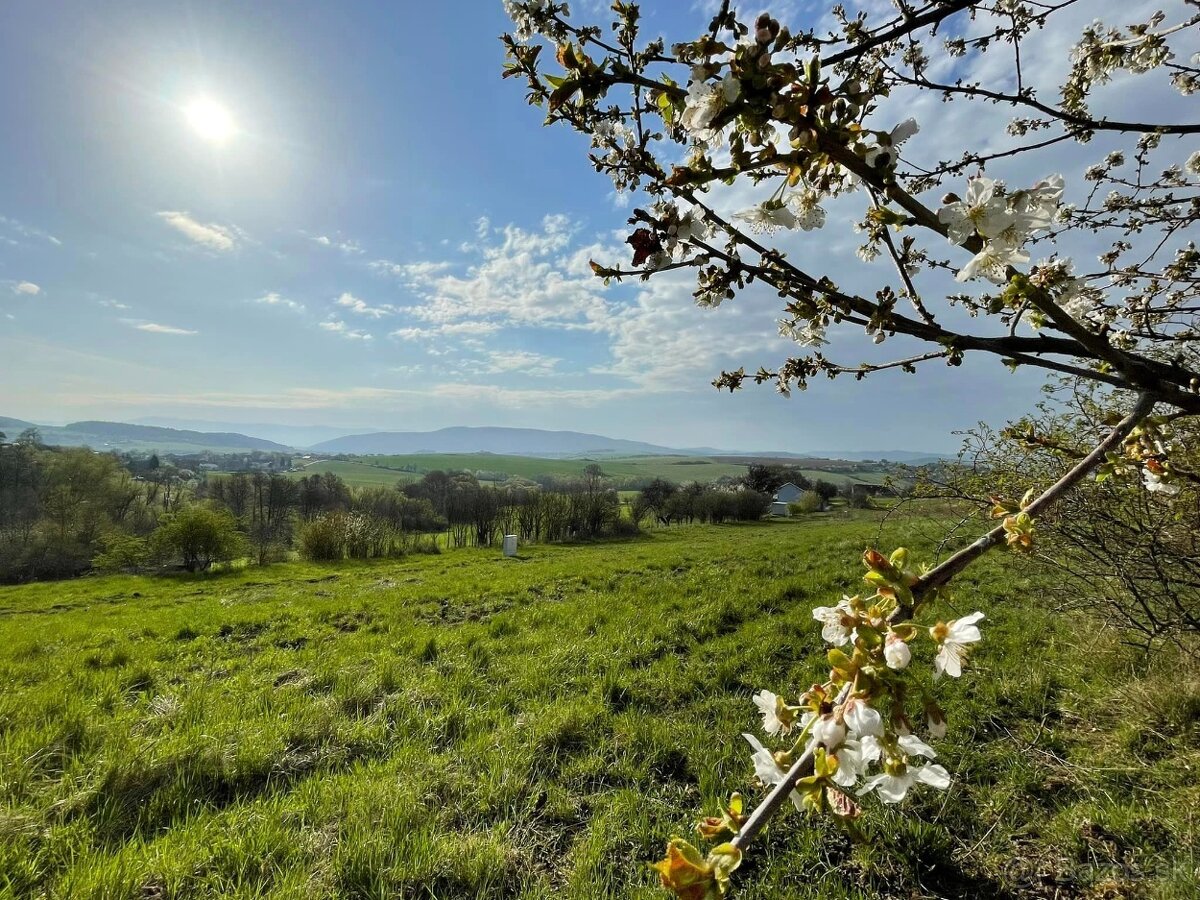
[465, 725]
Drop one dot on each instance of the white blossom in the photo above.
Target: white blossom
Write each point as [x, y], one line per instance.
[810, 334]
[1155, 484]
[862, 719]
[767, 217]
[984, 210]
[892, 786]
[524, 16]
[954, 639]
[837, 622]
[767, 770]
[807, 207]
[992, 262]
[769, 706]
[896, 653]
[704, 103]
[828, 731]
[854, 758]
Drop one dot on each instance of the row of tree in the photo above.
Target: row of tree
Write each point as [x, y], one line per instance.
[64, 511]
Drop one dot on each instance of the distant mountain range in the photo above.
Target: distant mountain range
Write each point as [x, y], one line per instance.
[123, 436]
[507, 441]
[289, 435]
[327, 440]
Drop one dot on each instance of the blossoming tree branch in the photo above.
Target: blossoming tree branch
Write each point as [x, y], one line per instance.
[805, 118]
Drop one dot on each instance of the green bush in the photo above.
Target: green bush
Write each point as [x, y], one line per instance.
[197, 537]
[122, 553]
[808, 502]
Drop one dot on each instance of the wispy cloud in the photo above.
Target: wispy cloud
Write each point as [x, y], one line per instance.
[414, 274]
[523, 362]
[211, 235]
[112, 304]
[337, 326]
[156, 328]
[27, 231]
[360, 307]
[346, 246]
[27, 287]
[275, 299]
[468, 328]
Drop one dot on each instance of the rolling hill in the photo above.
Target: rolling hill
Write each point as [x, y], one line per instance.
[509, 441]
[123, 436]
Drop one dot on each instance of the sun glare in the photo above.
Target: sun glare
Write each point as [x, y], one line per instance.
[210, 120]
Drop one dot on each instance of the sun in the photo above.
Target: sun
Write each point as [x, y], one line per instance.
[210, 120]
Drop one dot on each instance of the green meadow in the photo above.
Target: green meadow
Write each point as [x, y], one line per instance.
[465, 725]
[387, 470]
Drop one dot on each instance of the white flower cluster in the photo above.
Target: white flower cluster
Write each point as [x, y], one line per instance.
[526, 16]
[857, 740]
[808, 334]
[797, 209]
[705, 101]
[851, 731]
[1004, 221]
[1101, 52]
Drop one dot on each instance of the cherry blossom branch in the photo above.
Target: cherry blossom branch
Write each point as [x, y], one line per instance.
[801, 768]
[963, 558]
[1081, 122]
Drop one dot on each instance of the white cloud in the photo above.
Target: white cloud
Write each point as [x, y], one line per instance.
[112, 304]
[523, 362]
[274, 299]
[410, 273]
[465, 328]
[346, 246]
[28, 288]
[523, 279]
[26, 231]
[156, 328]
[211, 235]
[337, 326]
[360, 307]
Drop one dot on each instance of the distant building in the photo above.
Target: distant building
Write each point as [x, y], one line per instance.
[780, 509]
[787, 493]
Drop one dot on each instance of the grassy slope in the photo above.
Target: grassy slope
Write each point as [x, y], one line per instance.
[464, 725]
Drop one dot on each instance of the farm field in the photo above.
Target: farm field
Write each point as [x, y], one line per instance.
[359, 474]
[376, 470]
[468, 726]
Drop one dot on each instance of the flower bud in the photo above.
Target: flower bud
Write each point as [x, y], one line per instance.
[896, 653]
[829, 732]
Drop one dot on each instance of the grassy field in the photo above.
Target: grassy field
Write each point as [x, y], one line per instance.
[359, 474]
[673, 468]
[464, 725]
[375, 470]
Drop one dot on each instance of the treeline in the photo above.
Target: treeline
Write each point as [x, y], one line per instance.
[67, 511]
[669, 504]
[60, 506]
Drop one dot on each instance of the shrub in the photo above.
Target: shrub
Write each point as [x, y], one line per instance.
[122, 554]
[197, 537]
[808, 502]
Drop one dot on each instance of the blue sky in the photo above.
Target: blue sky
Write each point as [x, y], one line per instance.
[390, 241]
